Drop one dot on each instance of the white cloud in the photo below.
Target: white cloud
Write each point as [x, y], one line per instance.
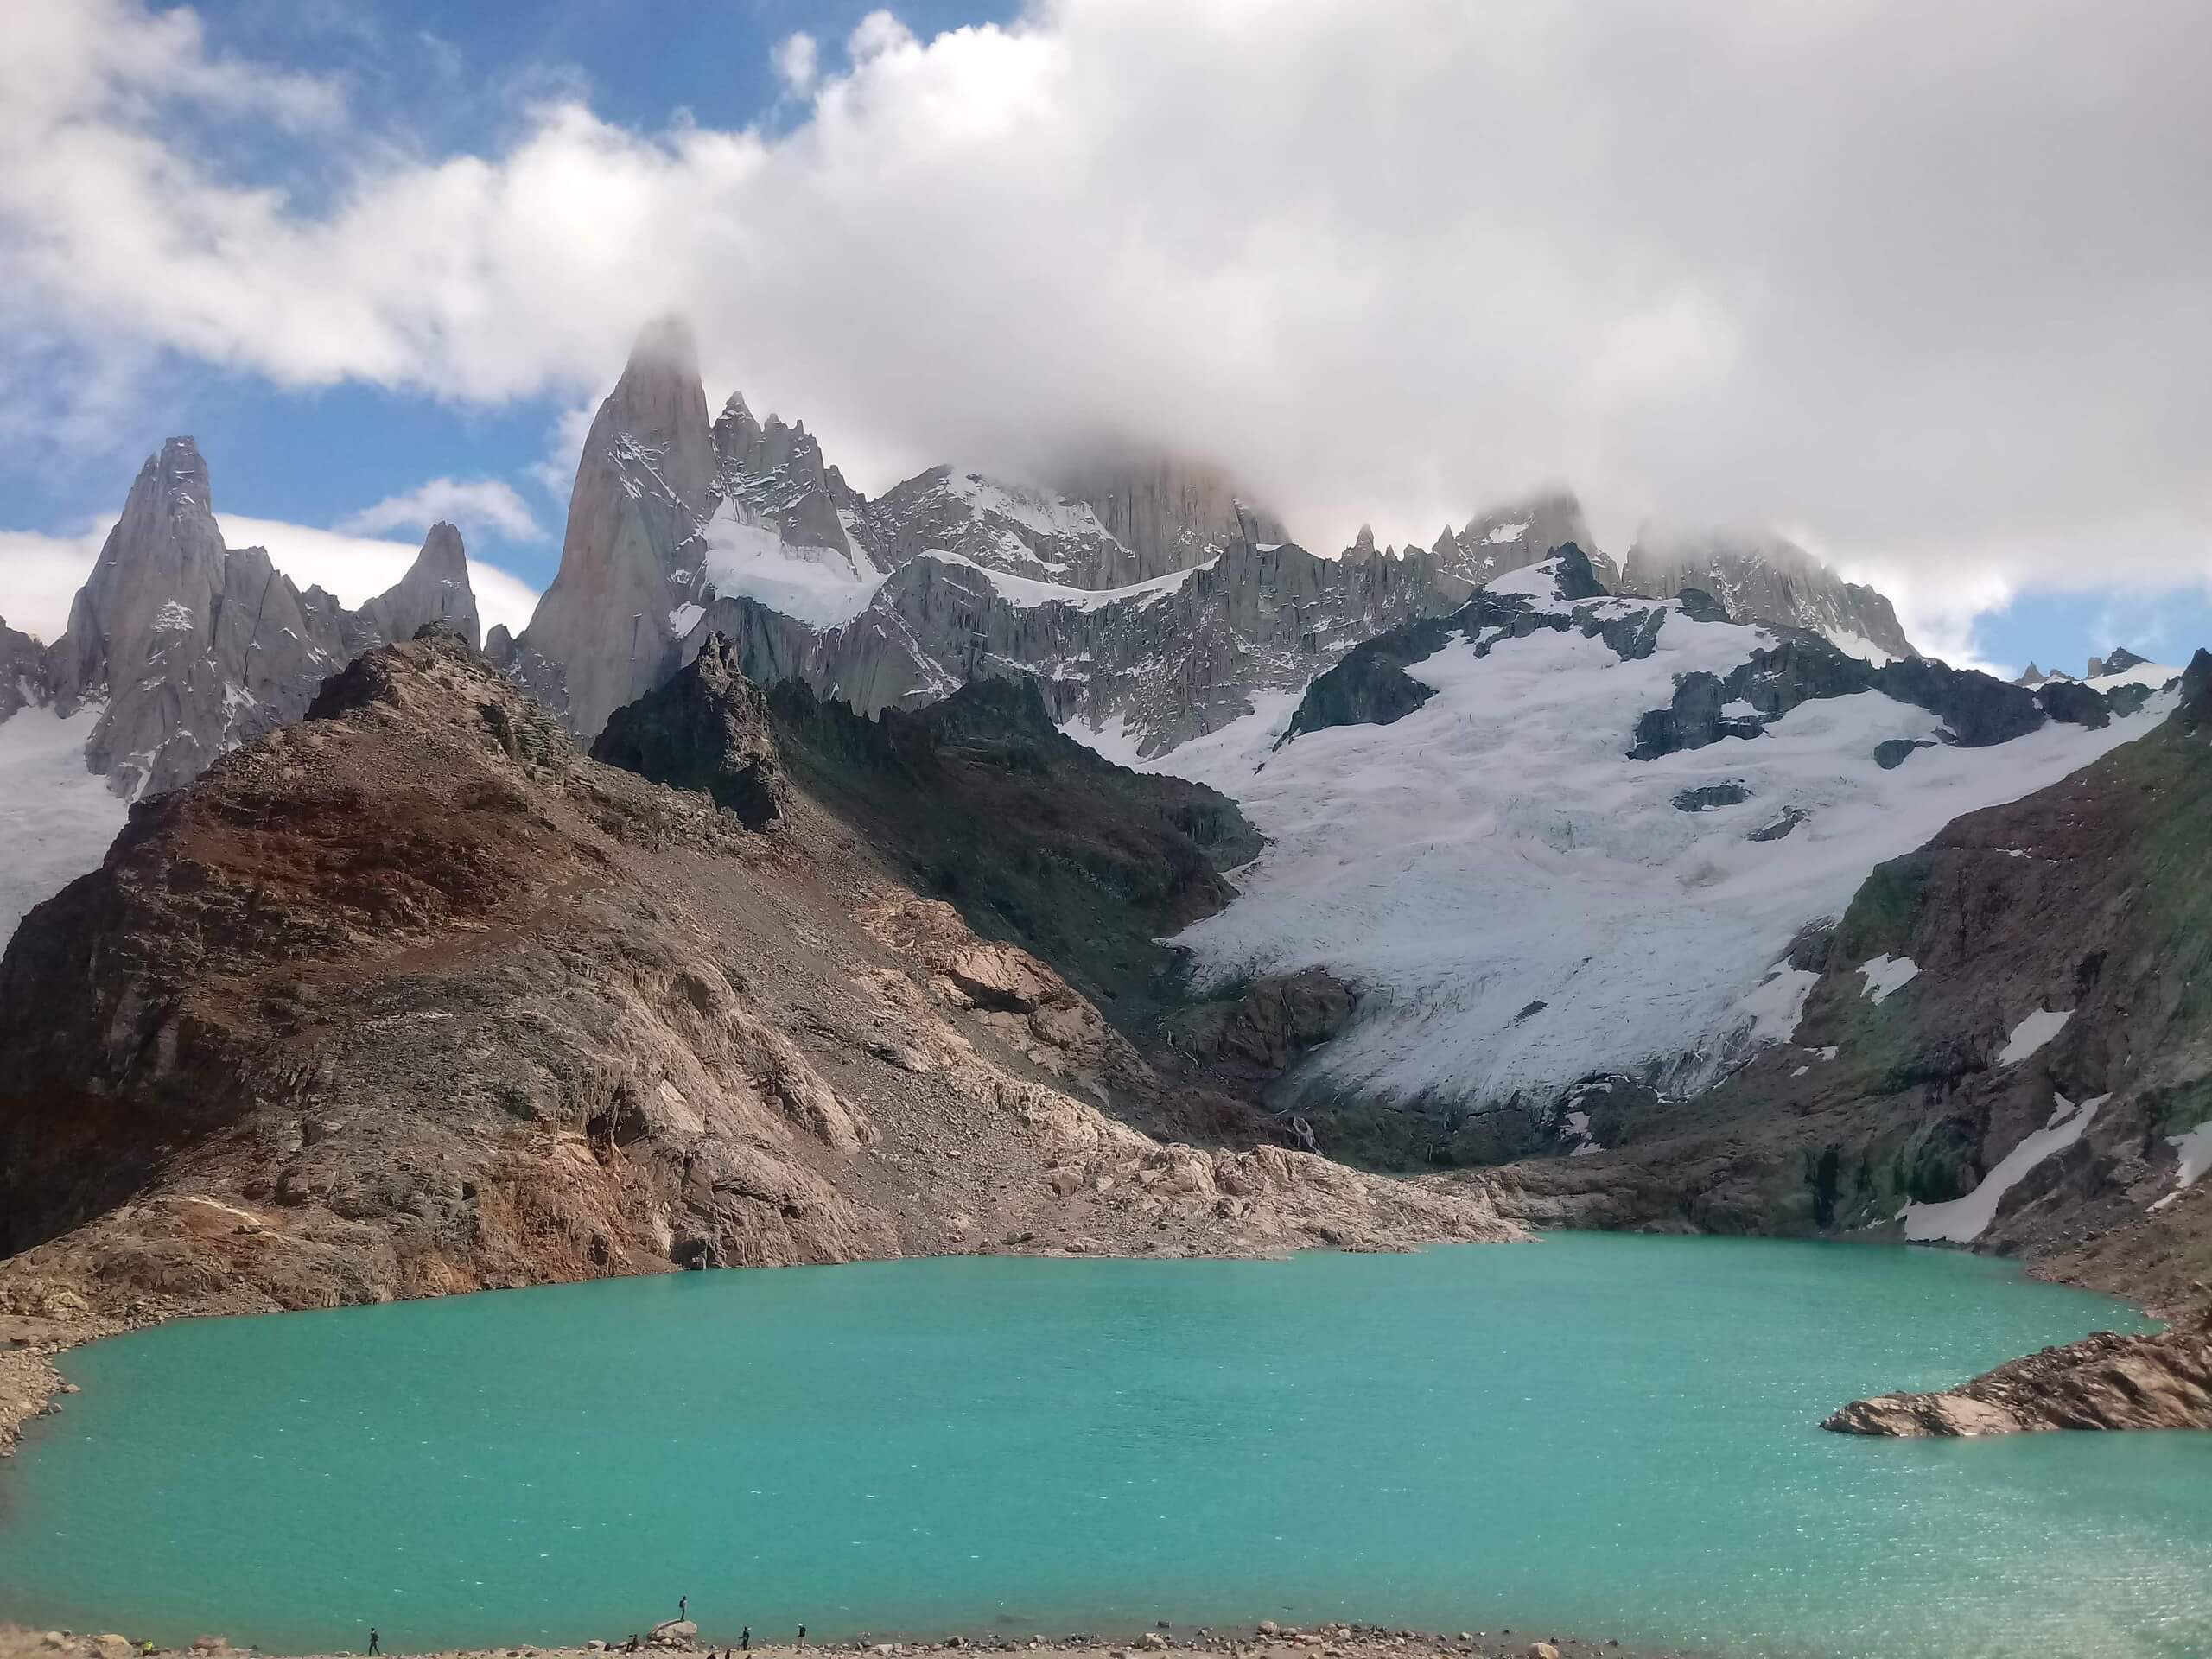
[40, 574]
[879, 33]
[477, 506]
[797, 61]
[556, 472]
[1929, 279]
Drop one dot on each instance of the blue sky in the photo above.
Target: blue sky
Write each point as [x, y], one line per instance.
[381, 258]
[453, 78]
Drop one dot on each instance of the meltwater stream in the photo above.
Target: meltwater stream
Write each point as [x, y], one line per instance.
[1606, 1435]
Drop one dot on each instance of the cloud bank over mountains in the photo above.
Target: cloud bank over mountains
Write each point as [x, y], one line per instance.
[1930, 288]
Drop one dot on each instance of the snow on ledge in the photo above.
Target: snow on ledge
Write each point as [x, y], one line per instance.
[2194, 1148]
[1885, 974]
[2031, 1034]
[1961, 1221]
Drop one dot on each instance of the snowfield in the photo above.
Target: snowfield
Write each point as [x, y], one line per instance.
[1498, 846]
[56, 819]
[819, 586]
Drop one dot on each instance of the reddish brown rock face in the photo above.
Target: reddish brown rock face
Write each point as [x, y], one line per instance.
[2101, 1381]
[411, 998]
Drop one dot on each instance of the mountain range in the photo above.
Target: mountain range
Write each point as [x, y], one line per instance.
[802, 837]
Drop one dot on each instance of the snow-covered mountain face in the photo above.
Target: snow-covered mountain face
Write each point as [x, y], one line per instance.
[1150, 598]
[1131, 670]
[1461, 828]
[178, 649]
[1765, 579]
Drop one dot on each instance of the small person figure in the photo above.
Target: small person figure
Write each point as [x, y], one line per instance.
[373, 1648]
[684, 1606]
[802, 1636]
[745, 1639]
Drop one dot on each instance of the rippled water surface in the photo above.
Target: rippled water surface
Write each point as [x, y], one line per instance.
[1610, 1435]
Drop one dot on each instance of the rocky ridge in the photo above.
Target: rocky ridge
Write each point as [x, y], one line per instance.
[1767, 579]
[1513, 536]
[411, 997]
[677, 529]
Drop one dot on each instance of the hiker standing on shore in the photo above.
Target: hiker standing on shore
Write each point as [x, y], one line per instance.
[802, 1636]
[373, 1648]
[745, 1639]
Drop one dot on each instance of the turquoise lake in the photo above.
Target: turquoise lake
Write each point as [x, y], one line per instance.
[1610, 1436]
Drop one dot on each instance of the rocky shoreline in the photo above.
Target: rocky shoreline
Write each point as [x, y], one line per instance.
[2105, 1381]
[1267, 1640]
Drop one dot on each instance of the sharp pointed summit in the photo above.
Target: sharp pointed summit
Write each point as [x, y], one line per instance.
[604, 634]
[188, 647]
[435, 590]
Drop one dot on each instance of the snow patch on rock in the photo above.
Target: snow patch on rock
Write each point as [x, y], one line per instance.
[2031, 1034]
[1886, 974]
[1961, 1221]
[2194, 1151]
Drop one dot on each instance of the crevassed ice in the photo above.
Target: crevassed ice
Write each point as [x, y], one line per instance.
[1497, 846]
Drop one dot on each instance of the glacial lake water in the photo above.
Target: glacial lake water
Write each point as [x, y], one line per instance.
[1610, 1436]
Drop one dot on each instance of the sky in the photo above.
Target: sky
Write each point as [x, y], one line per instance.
[1928, 289]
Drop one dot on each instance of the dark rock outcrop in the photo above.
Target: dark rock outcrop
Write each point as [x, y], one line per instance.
[1033, 838]
[1977, 709]
[1705, 797]
[1267, 1025]
[707, 728]
[25, 671]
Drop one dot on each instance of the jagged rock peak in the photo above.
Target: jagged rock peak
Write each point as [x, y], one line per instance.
[2195, 707]
[1170, 512]
[707, 728]
[1512, 535]
[434, 590]
[1762, 578]
[2031, 674]
[155, 582]
[1363, 545]
[196, 647]
[603, 633]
